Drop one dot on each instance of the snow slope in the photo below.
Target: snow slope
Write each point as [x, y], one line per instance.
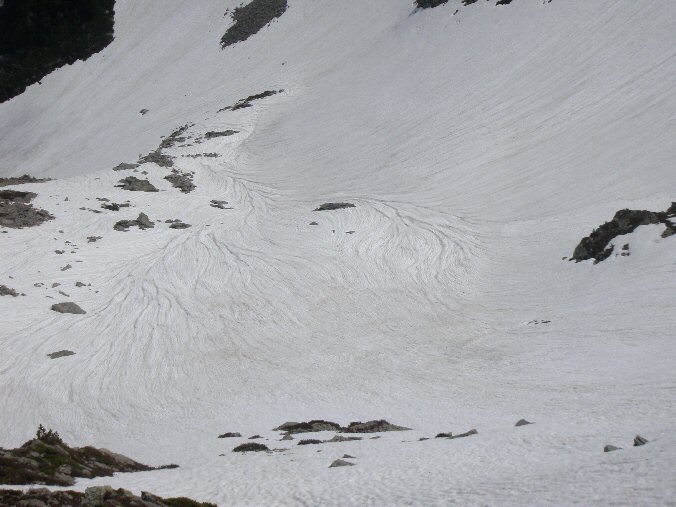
[477, 147]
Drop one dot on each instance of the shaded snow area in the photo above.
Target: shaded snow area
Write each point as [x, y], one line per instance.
[363, 211]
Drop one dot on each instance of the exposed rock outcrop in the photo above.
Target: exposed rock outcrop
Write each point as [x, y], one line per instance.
[6, 291]
[182, 181]
[142, 222]
[251, 447]
[308, 427]
[340, 463]
[247, 102]
[329, 206]
[597, 245]
[68, 307]
[249, 19]
[16, 211]
[230, 435]
[48, 460]
[61, 353]
[97, 496]
[134, 184]
[18, 180]
[373, 427]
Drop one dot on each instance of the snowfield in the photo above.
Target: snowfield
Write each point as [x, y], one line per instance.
[478, 147]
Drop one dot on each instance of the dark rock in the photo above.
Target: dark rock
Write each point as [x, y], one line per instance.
[93, 239]
[113, 206]
[372, 427]
[182, 181]
[219, 204]
[426, 4]
[80, 284]
[310, 441]
[255, 437]
[17, 213]
[142, 222]
[340, 463]
[48, 460]
[68, 307]
[314, 223]
[340, 438]
[247, 102]
[347, 456]
[144, 111]
[179, 225]
[17, 196]
[249, 19]
[329, 206]
[462, 435]
[18, 180]
[124, 166]
[287, 437]
[170, 466]
[97, 496]
[230, 435]
[133, 184]
[597, 245]
[309, 427]
[39, 37]
[6, 291]
[639, 440]
[199, 155]
[61, 353]
[175, 137]
[157, 157]
[522, 422]
[66, 267]
[611, 448]
[444, 435]
[59, 252]
[211, 134]
[251, 447]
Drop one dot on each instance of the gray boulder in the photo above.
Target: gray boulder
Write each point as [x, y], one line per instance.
[341, 463]
[133, 184]
[61, 353]
[68, 307]
[373, 427]
[639, 440]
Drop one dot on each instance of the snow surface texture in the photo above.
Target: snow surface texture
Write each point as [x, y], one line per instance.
[477, 148]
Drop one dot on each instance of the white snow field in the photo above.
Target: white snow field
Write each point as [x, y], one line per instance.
[478, 148]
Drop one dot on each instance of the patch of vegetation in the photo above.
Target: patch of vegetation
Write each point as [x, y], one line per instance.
[48, 460]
